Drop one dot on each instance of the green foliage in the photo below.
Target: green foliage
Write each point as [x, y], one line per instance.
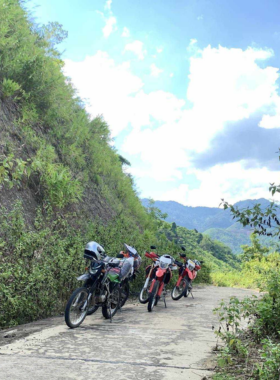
[264, 221]
[56, 179]
[270, 368]
[263, 321]
[14, 171]
[253, 252]
[9, 88]
[256, 269]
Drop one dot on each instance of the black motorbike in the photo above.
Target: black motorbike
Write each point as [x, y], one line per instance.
[100, 289]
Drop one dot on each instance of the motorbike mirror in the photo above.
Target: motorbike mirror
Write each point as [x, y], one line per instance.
[183, 248]
[182, 255]
[153, 247]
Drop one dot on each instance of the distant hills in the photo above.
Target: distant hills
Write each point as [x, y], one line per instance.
[213, 221]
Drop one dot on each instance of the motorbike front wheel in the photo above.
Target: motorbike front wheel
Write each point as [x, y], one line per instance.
[179, 291]
[76, 308]
[112, 304]
[144, 294]
[153, 297]
[92, 308]
[188, 289]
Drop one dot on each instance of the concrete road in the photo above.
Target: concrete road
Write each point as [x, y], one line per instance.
[173, 343]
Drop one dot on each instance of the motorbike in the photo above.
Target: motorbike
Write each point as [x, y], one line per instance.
[150, 275]
[100, 289]
[130, 262]
[162, 277]
[187, 273]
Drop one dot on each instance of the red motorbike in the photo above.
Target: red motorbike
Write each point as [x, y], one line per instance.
[150, 275]
[162, 277]
[187, 273]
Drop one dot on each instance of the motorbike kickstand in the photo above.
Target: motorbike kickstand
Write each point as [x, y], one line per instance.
[164, 302]
[191, 294]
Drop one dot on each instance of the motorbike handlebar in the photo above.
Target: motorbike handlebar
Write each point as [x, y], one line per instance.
[113, 265]
[178, 263]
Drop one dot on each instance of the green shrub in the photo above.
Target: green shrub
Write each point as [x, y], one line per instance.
[9, 88]
[270, 368]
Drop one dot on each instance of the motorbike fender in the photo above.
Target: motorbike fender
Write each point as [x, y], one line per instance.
[194, 274]
[188, 273]
[160, 273]
[84, 277]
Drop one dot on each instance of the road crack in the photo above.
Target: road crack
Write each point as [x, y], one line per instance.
[108, 362]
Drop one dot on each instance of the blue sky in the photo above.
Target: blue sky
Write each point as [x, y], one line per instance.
[181, 83]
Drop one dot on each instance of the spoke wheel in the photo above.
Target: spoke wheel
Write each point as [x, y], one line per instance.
[188, 289]
[179, 291]
[112, 304]
[144, 294]
[153, 297]
[76, 308]
[92, 307]
[124, 293]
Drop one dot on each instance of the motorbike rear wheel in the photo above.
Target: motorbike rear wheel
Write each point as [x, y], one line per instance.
[124, 293]
[76, 308]
[112, 304]
[153, 297]
[179, 291]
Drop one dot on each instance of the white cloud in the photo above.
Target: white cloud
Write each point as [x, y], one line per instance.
[136, 47]
[224, 85]
[272, 121]
[229, 181]
[126, 32]
[171, 75]
[179, 193]
[107, 87]
[108, 5]
[110, 26]
[155, 71]
[159, 50]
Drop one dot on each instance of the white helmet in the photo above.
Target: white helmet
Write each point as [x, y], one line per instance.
[94, 251]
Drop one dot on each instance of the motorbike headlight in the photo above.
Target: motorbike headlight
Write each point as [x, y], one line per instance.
[93, 270]
[163, 265]
[191, 265]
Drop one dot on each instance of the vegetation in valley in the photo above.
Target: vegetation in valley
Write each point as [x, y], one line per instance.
[217, 223]
[256, 260]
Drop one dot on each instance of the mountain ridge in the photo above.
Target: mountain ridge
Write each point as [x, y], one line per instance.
[212, 221]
